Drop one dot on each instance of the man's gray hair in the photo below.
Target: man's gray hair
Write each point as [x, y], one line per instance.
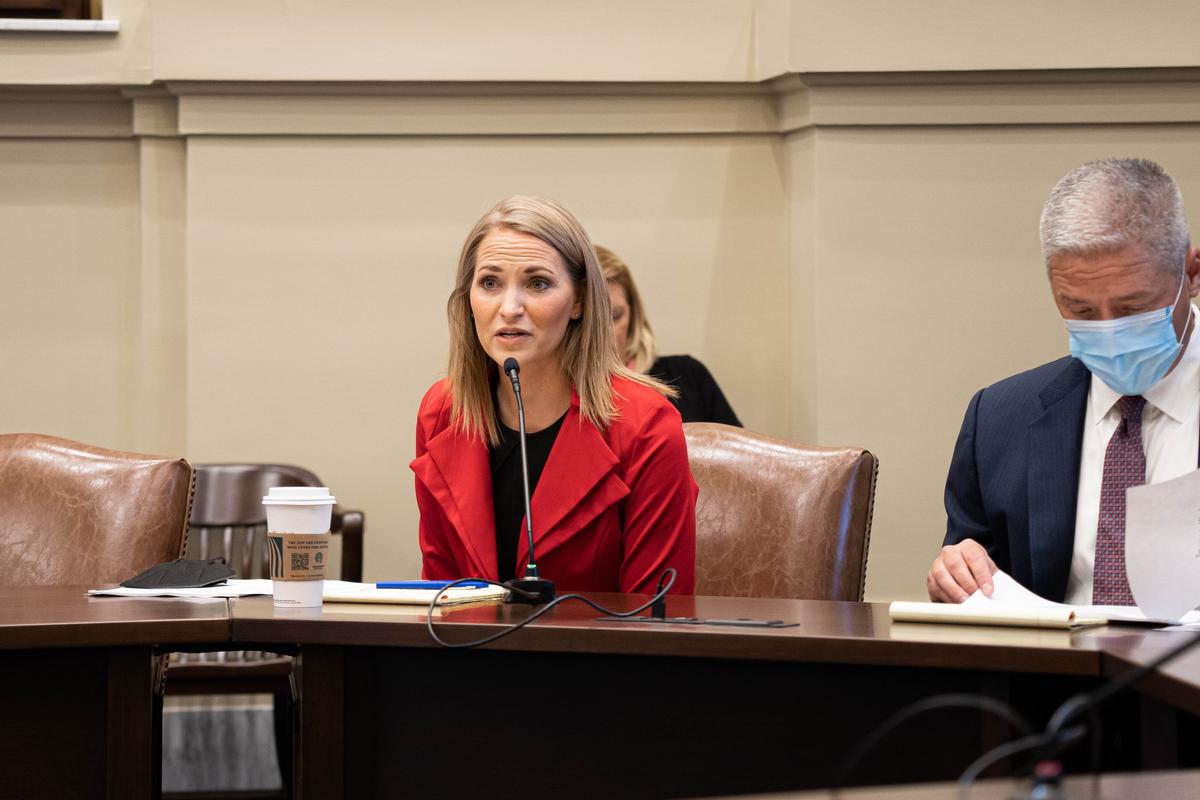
[1112, 203]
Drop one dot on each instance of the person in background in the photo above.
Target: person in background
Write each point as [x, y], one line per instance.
[699, 398]
[613, 499]
[1038, 477]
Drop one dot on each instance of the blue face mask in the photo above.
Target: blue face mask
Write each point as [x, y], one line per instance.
[1130, 354]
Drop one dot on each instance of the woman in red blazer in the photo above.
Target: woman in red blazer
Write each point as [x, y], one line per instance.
[614, 500]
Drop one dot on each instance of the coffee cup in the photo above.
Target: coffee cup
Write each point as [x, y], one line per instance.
[298, 520]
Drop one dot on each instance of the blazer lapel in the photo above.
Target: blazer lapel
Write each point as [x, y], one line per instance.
[578, 483]
[455, 468]
[1055, 441]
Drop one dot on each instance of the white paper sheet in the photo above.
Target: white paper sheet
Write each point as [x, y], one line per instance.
[1007, 592]
[231, 588]
[1162, 546]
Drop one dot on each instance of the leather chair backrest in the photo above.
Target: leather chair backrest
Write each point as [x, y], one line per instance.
[71, 513]
[777, 519]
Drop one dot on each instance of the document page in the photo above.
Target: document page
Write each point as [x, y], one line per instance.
[1162, 546]
[1007, 592]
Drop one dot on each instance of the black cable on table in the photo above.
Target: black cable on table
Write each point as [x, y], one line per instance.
[668, 575]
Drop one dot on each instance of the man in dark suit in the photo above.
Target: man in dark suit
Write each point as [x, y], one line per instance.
[1038, 477]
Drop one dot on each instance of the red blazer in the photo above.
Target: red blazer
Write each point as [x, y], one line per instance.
[611, 510]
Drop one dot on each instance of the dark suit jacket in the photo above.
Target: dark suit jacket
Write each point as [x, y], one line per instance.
[700, 398]
[611, 510]
[1014, 476]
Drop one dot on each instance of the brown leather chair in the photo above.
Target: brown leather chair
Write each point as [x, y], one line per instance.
[777, 519]
[71, 513]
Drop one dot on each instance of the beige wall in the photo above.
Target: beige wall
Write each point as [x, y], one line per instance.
[241, 251]
[69, 288]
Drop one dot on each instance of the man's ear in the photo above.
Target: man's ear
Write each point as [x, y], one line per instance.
[1192, 266]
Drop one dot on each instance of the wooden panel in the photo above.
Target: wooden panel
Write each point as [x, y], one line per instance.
[54, 723]
[134, 750]
[321, 724]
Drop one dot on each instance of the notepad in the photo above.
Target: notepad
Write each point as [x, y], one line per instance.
[1013, 604]
[1062, 618]
[349, 592]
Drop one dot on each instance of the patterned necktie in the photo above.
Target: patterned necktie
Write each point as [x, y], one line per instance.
[1124, 466]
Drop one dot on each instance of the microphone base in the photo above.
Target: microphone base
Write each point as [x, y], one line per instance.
[542, 591]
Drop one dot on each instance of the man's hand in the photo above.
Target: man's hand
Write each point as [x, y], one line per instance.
[959, 571]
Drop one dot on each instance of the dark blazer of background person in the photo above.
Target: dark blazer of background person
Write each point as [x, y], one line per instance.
[698, 398]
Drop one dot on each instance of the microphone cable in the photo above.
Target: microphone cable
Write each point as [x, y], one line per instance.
[660, 593]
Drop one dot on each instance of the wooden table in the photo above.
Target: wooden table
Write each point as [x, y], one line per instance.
[1180, 785]
[575, 706]
[585, 708]
[78, 711]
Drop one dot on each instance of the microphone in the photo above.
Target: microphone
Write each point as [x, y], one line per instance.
[531, 588]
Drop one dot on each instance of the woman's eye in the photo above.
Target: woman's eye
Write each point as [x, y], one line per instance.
[488, 282]
[540, 284]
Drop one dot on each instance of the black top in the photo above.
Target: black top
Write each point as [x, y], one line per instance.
[700, 399]
[508, 491]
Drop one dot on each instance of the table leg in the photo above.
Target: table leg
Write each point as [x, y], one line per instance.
[320, 756]
[134, 740]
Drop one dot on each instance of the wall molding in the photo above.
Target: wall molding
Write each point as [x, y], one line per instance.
[777, 107]
[74, 113]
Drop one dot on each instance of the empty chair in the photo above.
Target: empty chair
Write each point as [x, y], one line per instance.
[777, 519]
[71, 513]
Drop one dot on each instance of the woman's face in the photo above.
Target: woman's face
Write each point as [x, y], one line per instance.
[522, 298]
[620, 315]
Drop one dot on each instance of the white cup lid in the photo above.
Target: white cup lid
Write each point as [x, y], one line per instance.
[299, 496]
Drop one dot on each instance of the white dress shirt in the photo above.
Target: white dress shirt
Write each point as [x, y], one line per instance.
[1170, 438]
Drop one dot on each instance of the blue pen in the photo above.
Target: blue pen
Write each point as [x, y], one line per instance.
[430, 584]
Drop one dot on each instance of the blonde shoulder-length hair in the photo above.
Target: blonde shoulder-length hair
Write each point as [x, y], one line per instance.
[639, 341]
[589, 355]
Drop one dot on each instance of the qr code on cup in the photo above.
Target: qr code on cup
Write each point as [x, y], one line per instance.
[299, 561]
